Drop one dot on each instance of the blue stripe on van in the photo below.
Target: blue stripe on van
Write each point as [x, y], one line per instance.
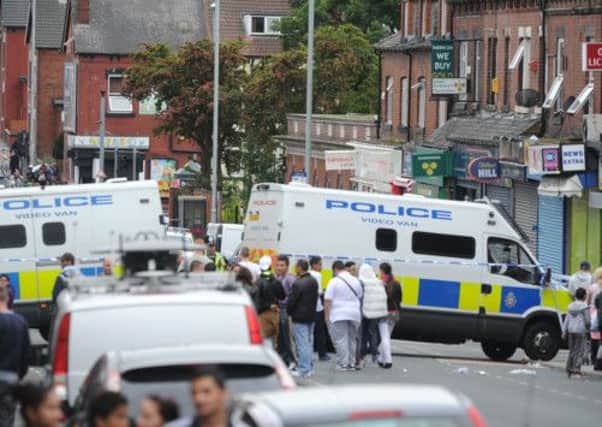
[439, 293]
[91, 271]
[517, 300]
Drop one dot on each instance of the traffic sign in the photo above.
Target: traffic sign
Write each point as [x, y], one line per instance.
[591, 57]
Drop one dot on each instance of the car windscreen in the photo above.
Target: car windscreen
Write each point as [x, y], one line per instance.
[173, 382]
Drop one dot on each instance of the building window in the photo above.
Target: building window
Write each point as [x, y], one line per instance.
[262, 25]
[435, 17]
[118, 101]
[405, 102]
[520, 62]
[506, 73]
[464, 69]
[389, 100]
[421, 92]
[12, 236]
[491, 70]
[416, 12]
[406, 21]
[443, 245]
[386, 240]
[53, 233]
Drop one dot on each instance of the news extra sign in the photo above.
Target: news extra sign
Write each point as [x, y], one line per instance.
[591, 56]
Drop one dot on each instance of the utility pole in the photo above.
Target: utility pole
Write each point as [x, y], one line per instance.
[215, 156]
[101, 137]
[309, 90]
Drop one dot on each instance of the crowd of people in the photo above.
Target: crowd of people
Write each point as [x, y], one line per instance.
[582, 323]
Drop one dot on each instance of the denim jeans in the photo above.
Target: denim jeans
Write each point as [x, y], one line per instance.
[304, 342]
[370, 337]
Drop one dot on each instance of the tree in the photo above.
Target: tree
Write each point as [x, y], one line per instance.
[182, 81]
[376, 18]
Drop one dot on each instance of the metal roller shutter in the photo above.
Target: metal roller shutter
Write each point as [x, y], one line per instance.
[551, 236]
[502, 195]
[525, 211]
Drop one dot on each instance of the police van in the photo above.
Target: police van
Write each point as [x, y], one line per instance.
[465, 270]
[38, 225]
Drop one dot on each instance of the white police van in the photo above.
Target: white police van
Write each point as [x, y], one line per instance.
[38, 225]
[465, 270]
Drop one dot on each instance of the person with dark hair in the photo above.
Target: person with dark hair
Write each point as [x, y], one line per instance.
[156, 411]
[575, 327]
[67, 260]
[269, 294]
[210, 267]
[108, 409]
[218, 260]
[40, 405]
[386, 325]
[5, 280]
[302, 310]
[581, 279]
[342, 307]
[320, 330]
[351, 268]
[282, 270]
[15, 349]
[210, 398]
[245, 278]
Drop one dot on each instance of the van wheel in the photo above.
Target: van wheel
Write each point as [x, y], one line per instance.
[498, 351]
[541, 341]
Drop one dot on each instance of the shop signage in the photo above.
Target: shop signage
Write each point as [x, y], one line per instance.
[513, 171]
[338, 160]
[484, 169]
[431, 164]
[163, 171]
[120, 142]
[442, 58]
[573, 157]
[591, 56]
[464, 157]
[550, 158]
[448, 86]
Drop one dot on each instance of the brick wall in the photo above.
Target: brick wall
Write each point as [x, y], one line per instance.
[320, 177]
[50, 87]
[13, 93]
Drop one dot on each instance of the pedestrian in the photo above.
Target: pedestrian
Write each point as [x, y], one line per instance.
[210, 268]
[108, 409]
[15, 353]
[593, 292]
[107, 266]
[575, 328]
[343, 312]
[196, 266]
[581, 279]
[245, 278]
[351, 267]
[67, 261]
[5, 280]
[210, 398]
[284, 336]
[269, 294]
[216, 258]
[302, 310]
[40, 406]
[156, 411]
[387, 325]
[245, 261]
[374, 309]
[320, 329]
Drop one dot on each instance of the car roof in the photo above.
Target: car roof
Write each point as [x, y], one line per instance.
[338, 403]
[191, 355]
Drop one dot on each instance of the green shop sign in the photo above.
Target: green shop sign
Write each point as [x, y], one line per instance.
[442, 58]
[427, 165]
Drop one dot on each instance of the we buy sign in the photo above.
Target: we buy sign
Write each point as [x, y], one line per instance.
[591, 57]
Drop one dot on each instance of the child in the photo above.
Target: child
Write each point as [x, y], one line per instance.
[576, 326]
[108, 409]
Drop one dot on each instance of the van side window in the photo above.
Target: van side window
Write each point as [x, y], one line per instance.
[386, 240]
[53, 233]
[445, 245]
[515, 261]
[12, 236]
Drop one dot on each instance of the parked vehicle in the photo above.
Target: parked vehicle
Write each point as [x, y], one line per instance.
[360, 406]
[38, 225]
[465, 270]
[167, 372]
[227, 237]
[157, 310]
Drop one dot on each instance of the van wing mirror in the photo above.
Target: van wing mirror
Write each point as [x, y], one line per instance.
[547, 278]
[163, 219]
[495, 269]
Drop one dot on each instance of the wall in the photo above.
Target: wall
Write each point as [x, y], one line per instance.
[320, 177]
[13, 105]
[585, 238]
[50, 87]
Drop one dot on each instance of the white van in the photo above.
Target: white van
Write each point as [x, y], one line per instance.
[465, 271]
[38, 225]
[227, 237]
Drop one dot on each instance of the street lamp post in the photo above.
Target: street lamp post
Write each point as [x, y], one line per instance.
[215, 155]
[309, 90]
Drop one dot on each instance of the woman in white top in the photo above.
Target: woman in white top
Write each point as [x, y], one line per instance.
[374, 308]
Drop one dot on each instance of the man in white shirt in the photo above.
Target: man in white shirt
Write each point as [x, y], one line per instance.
[245, 261]
[342, 307]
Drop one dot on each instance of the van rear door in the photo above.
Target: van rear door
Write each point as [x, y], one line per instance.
[263, 223]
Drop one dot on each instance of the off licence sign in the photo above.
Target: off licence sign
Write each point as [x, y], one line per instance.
[592, 56]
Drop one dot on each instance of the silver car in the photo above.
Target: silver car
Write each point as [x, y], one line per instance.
[360, 406]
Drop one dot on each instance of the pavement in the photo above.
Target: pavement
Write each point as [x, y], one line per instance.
[512, 393]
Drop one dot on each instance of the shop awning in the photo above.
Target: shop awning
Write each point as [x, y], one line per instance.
[560, 186]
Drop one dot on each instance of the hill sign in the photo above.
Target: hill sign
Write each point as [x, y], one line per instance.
[484, 169]
[591, 56]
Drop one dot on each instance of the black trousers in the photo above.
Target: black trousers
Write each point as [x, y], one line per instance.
[321, 334]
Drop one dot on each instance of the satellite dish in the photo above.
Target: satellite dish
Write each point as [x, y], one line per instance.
[527, 98]
[567, 103]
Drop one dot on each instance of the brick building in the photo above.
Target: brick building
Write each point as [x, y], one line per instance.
[252, 21]
[13, 69]
[45, 86]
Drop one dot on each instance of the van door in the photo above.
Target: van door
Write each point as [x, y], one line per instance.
[17, 256]
[510, 288]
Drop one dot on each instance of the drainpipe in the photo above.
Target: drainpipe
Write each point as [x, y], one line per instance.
[380, 91]
[542, 60]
